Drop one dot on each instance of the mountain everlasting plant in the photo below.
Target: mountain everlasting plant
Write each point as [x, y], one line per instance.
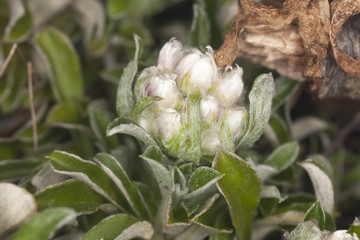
[198, 105]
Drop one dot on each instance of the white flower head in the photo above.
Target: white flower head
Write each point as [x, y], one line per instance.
[230, 86]
[186, 62]
[167, 124]
[170, 54]
[236, 118]
[210, 109]
[164, 86]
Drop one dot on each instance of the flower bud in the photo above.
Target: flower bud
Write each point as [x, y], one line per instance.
[210, 109]
[167, 124]
[164, 86]
[210, 142]
[230, 86]
[170, 54]
[236, 118]
[199, 71]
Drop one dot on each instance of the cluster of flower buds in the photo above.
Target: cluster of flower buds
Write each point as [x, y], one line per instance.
[181, 72]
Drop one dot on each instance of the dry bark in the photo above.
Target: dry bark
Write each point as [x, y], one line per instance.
[301, 39]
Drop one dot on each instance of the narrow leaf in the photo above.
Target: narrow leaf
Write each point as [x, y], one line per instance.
[116, 172]
[141, 229]
[284, 87]
[272, 192]
[141, 105]
[201, 180]
[44, 225]
[162, 175]
[20, 22]
[193, 147]
[317, 168]
[88, 172]
[125, 98]
[127, 126]
[241, 188]
[200, 27]
[16, 168]
[65, 113]
[71, 193]
[99, 119]
[67, 81]
[110, 228]
[260, 98]
[316, 213]
[283, 156]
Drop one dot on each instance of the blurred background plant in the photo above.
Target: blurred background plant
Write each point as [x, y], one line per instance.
[61, 62]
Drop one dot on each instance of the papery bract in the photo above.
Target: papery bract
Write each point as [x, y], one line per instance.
[164, 86]
[210, 109]
[236, 119]
[167, 124]
[170, 54]
[230, 86]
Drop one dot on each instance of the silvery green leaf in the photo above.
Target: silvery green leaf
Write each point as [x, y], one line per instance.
[154, 152]
[226, 139]
[161, 221]
[175, 229]
[272, 192]
[141, 105]
[240, 186]
[16, 206]
[201, 180]
[276, 131]
[16, 168]
[260, 98]
[42, 11]
[162, 176]
[179, 178]
[284, 87]
[46, 177]
[291, 217]
[307, 126]
[206, 206]
[200, 28]
[91, 18]
[126, 126]
[119, 226]
[20, 21]
[71, 193]
[44, 225]
[17, 10]
[125, 98]
[198, 231]
[320, 173]
[264, 171]
[193, 146]
[141, 229]
[116, 172]
[100, 118]
[283, 156]
[88, 172]
[316, 214]
[56, 47]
